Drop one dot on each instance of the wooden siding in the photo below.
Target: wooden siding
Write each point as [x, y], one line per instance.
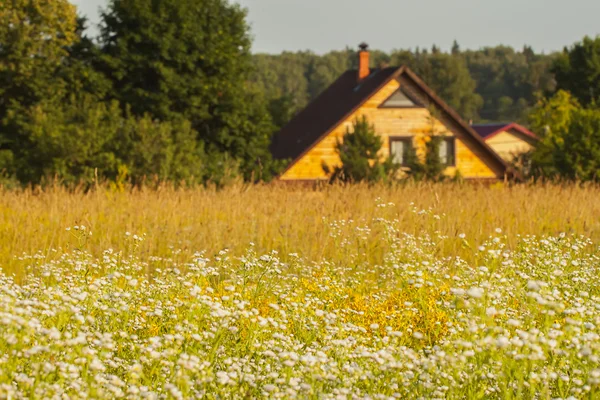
[510, 143]
[389, 122]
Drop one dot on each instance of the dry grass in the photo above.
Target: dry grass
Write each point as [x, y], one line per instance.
[283, 218]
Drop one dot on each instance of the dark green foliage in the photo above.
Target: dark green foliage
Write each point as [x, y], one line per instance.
[359, 157]
[570, 143]
[580, 156]
[415, 168]
[67, 140]
[190, 59]
[434, 167]
[577, 70]
[79, 70]
[170, 91]
[166, 95]
[510, 82]
[33, 38]
[491, 84]
[430, 167]
[80, 140]
[447, 75]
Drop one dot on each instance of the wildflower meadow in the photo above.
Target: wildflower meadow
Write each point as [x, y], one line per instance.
[420, 291]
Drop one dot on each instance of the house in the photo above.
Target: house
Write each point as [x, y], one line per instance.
[509, 140]
[404, 111]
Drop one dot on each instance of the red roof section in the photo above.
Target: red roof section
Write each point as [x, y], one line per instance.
[488, 131]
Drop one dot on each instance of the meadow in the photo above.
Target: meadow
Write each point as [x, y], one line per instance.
[416, 291]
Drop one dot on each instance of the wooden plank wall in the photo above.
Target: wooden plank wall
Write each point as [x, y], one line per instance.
[508, 144]
[388, 122]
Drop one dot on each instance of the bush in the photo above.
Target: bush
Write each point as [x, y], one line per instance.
[82, 140]
[570, 144]
[359, 155]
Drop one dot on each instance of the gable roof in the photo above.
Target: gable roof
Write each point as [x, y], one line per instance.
[326, 111]
[488, 131]
[345, 96]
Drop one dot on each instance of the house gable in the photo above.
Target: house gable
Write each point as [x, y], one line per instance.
[510, 143]
[508, 140]
[473, 158]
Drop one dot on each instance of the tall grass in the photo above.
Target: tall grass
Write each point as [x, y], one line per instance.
[442, 292]
[180, 222]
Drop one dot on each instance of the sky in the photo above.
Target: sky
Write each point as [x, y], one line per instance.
[324, 25]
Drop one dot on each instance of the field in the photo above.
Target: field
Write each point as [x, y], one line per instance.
[417, 291]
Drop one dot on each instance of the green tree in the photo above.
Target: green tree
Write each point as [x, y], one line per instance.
[80, 68]
[70, 140]
[324, 70]
[34, 37]
[447, 75]
[359, 155]
[190, 59]
[502, 73]
[570, 144]
[455, 48]
[577, 70]
[491, 84]
[78, 140]
[430, 167]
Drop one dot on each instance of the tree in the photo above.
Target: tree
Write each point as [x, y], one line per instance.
[359, 155]
[502, 73]
[455, 48]
[577, 70]
[190, 59]
[447, 75]
[429, 167]
[491, 84]
[570, 143]
[324, 70]
[78, 140]
[69, 140]
[80, 70]
[34, 37]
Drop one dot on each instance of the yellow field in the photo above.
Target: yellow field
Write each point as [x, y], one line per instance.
[418, 291]
[284, 218]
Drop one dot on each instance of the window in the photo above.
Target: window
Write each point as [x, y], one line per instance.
[447, 152]
[400, 99]
[399, 148]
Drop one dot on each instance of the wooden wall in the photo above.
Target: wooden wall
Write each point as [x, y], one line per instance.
[510, 143]
[388, 122]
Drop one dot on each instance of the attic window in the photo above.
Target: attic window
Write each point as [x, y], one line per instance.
[400, 99]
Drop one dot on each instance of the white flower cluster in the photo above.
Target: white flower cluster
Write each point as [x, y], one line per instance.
[518, 323]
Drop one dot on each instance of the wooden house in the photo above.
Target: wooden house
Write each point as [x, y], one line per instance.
[404, 111]
[509, 140]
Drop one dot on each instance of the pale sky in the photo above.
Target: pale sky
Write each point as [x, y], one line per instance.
[324, 25]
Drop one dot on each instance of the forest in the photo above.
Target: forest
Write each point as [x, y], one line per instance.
[490, 84]
[172, 92]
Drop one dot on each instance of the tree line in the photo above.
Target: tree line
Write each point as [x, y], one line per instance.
[557, 95]
[491, 84]
[170, 91]
[164, 93]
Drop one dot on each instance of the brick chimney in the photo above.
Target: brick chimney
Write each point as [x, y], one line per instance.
[363, 61]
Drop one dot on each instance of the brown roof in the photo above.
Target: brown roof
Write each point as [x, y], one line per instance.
[326, 111]
[341, 99]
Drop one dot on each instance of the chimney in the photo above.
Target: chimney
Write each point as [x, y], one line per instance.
[363, 61]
